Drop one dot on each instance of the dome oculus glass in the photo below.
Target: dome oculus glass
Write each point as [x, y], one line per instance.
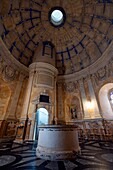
[57, 17]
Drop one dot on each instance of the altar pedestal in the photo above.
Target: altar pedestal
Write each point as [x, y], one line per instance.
[57, 142]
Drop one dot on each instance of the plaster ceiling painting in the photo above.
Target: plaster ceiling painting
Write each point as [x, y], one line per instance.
[80, 40]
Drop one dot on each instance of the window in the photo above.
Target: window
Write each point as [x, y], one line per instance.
[111, 97]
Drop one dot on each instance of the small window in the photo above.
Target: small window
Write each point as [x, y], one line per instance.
[111, 97]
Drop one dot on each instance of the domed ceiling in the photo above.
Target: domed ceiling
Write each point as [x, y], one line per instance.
[79, 42]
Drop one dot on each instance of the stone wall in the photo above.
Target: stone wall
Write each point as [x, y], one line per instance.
[11, 99]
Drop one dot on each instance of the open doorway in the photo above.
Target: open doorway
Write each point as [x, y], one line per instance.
[42, 118]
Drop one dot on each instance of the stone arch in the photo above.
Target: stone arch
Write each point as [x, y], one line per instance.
[105, 105]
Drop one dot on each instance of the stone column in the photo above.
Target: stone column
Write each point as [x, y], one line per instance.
[96, 113]
[13, 105]
[84, 100]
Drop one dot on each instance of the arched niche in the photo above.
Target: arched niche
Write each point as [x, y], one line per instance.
[5, 95]
[105, 104]
[73, 108]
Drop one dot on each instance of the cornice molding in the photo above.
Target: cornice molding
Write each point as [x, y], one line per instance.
[41, 66]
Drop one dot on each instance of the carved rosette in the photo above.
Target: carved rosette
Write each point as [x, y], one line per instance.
[9, 74]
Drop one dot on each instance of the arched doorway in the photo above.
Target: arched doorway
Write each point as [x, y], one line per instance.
[104, 99]
[42, 118]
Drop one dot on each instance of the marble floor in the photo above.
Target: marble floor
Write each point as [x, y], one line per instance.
[94, 156]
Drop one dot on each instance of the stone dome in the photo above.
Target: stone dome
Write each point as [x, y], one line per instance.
[82, 38]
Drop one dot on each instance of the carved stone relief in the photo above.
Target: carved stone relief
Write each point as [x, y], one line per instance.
[9, 74]
[71, 87]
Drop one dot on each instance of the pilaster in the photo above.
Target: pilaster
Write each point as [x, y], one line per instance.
[96, 113]
[13, 105]
[83, 98]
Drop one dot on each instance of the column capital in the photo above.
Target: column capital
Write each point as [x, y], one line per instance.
[31, 73]
[81, 81]
[21, 77]
[60, 84]
[88, 77]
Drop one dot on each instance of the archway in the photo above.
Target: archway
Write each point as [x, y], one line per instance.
[106, 108]
[42, 118]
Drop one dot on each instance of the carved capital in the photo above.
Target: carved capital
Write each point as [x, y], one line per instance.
[60, 84]
[22, 77]
[70, 87]
[81, 81]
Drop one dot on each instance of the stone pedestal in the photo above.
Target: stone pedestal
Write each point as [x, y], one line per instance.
[57, 142]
